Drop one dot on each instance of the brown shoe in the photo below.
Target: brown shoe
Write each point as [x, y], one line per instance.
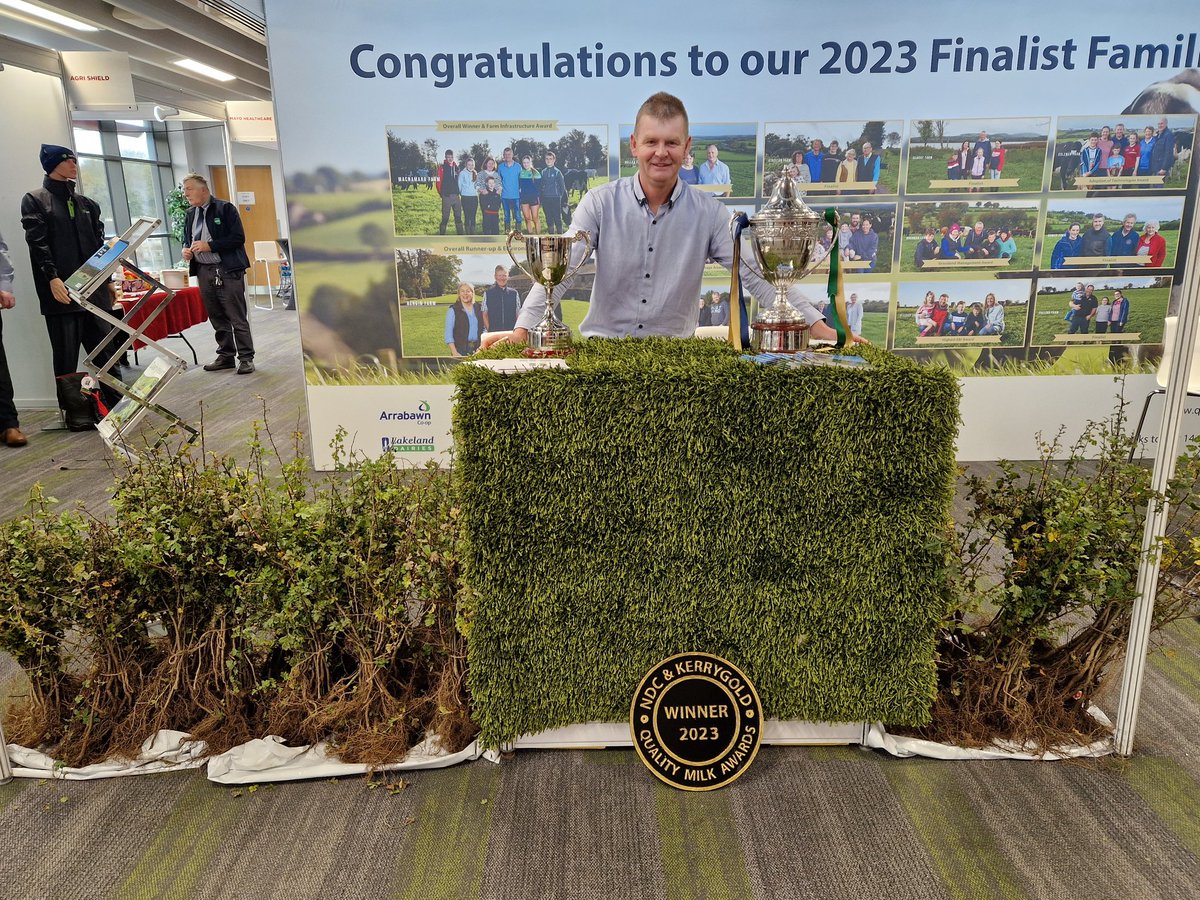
[13, 437]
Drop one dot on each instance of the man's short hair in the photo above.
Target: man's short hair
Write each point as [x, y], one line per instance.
[550, 153]
[500, 269]
[661, 106]
[450, 153]
[197, 178]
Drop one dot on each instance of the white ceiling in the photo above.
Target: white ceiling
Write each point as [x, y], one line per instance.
[224, 34]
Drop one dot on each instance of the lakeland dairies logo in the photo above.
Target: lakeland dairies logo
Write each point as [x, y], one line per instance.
[696, 721]
[408, 444]
[422, 414]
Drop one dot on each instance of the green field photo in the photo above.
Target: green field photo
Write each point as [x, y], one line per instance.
[423, 328]
[416, 152]
[1147, 308]
[1061, 214]
[1019, 217]
[889, 175]
[1022, 261]
[1025, 163]
[1075, 130]
[783, 140]
[1012, 294]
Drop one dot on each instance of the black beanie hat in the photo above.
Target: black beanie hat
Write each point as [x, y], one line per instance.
[52, 155]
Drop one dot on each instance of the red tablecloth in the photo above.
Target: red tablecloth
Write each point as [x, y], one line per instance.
[186, 309]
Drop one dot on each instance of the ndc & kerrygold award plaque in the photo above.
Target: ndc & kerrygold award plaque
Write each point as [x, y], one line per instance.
[697, 721]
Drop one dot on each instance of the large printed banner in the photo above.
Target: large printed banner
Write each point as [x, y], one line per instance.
[1015, 190]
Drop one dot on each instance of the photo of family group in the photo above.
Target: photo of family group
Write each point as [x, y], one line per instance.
[866, 234]
[1104, 309]
[961, 313]
[721, 161]
[448, 302]
[490, 182]
[969, 234]
[976, 155]
[1122, 152]
[1110, 232]
[852, 157]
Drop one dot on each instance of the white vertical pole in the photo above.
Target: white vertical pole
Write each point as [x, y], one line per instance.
[1157, 514]
[230, 174]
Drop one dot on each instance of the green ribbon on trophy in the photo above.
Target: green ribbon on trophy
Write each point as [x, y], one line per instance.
[837, 287]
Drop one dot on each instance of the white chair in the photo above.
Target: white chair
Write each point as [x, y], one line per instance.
[1163, 375]
[267, 253]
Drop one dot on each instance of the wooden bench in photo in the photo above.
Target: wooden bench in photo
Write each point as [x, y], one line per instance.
[958, 340]
[830, 187]
[966, 263]
[1086, 182]
[1121, 337]
[1106, 260]
[945, 184]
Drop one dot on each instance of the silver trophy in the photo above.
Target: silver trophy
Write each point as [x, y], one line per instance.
[547, 262]
[783, 235]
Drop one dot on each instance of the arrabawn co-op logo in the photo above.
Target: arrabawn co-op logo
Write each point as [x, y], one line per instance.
[421, 417]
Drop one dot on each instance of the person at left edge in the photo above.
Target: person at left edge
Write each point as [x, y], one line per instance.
[10, 428]
[214, 246]
[652, 235]
[63, 228]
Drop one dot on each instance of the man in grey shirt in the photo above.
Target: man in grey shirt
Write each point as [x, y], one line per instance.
[652, 235]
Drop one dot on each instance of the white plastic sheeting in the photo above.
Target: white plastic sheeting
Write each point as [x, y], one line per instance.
[269, 759]
[166, 751]
[898, 745]
[256, 762]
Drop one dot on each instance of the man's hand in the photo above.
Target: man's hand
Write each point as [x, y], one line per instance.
[188, 254]
[822, 332]
[516, 336]
[7, 300]
[59, 290]
[201, 247]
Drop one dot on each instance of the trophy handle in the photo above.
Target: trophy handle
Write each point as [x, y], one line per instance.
[738, 222]
[512, 236]
[587, 239]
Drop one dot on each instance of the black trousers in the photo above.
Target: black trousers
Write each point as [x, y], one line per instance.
[75, 330]
[470, 205]
[226, 307]
[552, 207]
[68, 333]
[8, 412]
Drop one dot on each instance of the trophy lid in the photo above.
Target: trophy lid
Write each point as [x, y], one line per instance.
[786, 204]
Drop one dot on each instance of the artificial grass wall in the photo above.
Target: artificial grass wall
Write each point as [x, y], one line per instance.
[664, 495]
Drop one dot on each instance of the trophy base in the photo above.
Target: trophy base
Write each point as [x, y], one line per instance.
[547, 353]
[778, 337]
[549, 339]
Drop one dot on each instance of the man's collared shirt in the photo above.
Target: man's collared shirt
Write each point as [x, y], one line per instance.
[649, 266]
[200, 233]
[717, 173]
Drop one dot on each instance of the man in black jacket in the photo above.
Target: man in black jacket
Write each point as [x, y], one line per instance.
[63, 229]
[214, 246]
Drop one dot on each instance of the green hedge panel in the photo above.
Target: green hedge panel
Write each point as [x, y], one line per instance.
[665, 495]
